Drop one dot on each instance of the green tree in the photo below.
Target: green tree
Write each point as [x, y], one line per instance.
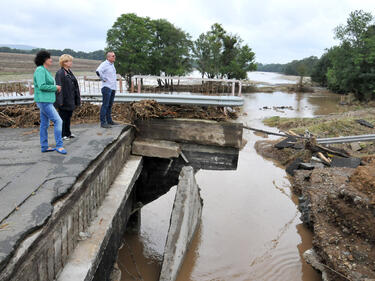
[219, 54]
[350, 66]
[356, 26]
[132, 40]
[207, 52]
[319, 71]
[170, 51]
[352, 62]
[145, 46]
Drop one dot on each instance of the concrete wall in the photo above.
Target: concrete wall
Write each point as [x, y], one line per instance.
[191, 131]
[93, 258]
[42, 256]
[185, 218]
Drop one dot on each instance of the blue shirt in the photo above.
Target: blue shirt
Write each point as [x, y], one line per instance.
[107, 73]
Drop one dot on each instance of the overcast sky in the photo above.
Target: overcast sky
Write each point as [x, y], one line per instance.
[277, 30]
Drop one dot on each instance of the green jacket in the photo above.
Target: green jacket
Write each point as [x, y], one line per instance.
[44, 85]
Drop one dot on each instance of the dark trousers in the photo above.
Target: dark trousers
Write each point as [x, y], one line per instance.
[65, 116]
[106, 109]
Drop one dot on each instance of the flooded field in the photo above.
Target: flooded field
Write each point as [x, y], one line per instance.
[250, 227]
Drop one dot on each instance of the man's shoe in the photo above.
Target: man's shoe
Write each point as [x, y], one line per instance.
[107, 126]
[65, 138]
[72, 136]
[113, 123]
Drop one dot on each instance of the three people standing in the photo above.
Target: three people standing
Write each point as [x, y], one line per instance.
[69, 96]
[65, 95]
[44, 96]
[107, 73]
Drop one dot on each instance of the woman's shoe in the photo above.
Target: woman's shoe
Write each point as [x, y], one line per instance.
[65, 138]
[49, 149]
[61, 150]
[72, 136]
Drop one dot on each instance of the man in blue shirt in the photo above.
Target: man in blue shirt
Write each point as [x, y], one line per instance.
[107, 73]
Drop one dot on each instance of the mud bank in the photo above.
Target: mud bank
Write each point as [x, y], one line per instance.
[338, 205]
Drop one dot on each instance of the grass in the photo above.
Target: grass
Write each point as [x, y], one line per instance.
[16, 67]
[327, 126]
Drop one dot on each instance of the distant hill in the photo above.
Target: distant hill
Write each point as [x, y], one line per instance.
[95, 55]
[18, 46]
[16, 64]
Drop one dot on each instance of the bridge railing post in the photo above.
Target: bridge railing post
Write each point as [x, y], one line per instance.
[139, 86]
[120, 81]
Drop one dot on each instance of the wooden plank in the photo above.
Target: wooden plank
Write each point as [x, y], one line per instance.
[191, 131]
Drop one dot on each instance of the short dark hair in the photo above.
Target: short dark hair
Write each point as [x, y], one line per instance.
[41, 57]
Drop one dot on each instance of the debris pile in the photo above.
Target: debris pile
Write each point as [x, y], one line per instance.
[337, 202]
[339, 207]
[23, 116]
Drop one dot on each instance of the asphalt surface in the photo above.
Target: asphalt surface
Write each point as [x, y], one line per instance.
[30, 181]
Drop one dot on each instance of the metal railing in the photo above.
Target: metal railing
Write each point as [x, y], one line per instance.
[142, 83]
[199, 100]
[346, 139]
[206, 85]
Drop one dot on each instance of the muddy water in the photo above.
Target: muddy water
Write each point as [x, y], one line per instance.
[250, 227]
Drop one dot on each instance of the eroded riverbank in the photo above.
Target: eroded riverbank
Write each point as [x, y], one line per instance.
[336, 201]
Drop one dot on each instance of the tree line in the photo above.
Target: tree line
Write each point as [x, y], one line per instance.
[350, 66]
[95, 55]
[303, 67]
[157, 47]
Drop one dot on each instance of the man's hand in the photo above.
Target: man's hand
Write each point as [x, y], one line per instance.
[58, 88]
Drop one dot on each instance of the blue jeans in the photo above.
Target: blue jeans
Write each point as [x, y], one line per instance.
[47, 113]
[106, 109]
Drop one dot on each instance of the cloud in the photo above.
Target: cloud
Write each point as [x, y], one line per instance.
[277, 30]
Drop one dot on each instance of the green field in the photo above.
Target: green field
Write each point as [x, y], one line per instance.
[17, 67]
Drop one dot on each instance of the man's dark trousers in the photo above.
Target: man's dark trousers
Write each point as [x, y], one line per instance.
[106, 109]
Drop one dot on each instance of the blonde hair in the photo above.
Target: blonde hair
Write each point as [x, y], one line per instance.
[64, 58]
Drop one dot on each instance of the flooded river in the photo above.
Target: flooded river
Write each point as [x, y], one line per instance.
[250, 228]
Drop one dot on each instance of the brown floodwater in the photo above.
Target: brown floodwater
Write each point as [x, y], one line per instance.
[250, 228]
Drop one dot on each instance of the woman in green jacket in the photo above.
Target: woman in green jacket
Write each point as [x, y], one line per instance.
[44, 96]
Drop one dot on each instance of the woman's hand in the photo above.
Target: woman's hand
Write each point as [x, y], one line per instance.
[58, 88]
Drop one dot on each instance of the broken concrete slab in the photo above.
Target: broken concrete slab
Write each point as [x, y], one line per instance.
[316, 160]
[185, 218]
[156, 148]
[345, 162]
[365, 123]
[355, 146]
[293, 166]
[285, 143]
[192, 131]
[306, 166]
[311, 257]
